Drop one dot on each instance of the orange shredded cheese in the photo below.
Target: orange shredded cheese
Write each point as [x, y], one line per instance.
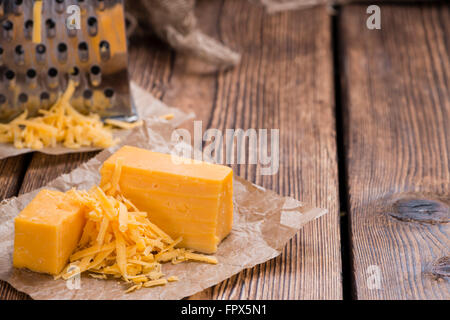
[118, 241]
[60, 124]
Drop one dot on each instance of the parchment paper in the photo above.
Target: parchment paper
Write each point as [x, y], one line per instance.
[147, 107]
[263, 224]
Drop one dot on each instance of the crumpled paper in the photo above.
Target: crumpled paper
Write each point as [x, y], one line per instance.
[263, 223]
[147, 107]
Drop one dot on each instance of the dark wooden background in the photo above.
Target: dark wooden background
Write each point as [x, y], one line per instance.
[364, 132]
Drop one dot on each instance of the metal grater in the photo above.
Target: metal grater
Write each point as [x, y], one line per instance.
[33, 76]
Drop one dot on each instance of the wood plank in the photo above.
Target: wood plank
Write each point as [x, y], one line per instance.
[12, 171]
[45, 168]
[284, 81]
[396, 98]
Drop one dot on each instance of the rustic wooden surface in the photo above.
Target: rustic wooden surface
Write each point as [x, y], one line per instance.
[284, 81]
[393, 99]
[396, 102]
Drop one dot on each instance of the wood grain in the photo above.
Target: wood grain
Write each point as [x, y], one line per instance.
[396, 102]
[284, 81]
[12, 171]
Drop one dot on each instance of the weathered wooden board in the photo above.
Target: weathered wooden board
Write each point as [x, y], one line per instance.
[396, 102]
[284, 81]
[12, 171]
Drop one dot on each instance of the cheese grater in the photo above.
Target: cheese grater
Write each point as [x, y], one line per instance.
[81, 40]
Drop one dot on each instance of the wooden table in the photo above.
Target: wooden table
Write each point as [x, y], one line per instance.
[364, 132]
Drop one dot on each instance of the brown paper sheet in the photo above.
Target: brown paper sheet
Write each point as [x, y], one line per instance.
[263, 224]
[147, 107]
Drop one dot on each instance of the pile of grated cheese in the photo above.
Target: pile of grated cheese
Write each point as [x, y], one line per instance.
[119, 241]
[61, 124]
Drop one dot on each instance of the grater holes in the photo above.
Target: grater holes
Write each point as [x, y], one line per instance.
[62, 52]
[23, 98]
[87, 94]
[109, 93]
[44, 96]
[19, 55]
[17, 7]
[28, 24]
[59, 6]
[40, 52]
[74, 75]
[19, 50]
[75, 71]
[105, 52]
[52, 78]
[50, 27]
[62, 47]
[45, 99]
[87, 98]
[2, 99]
[31, 77]
[101, 5]
[10, 75]
[28, 28]
[49, 23]
[95, 70]
[31, 73]
[83, 46]
[83, 51]
[92, 26]
[7, 27]
[10, 78]
[52, 72]
[95, 75]
[40, 48]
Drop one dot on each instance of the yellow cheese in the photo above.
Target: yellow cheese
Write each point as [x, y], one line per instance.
[188, 200]
[37, 17]
[46, 232]
[121, 242]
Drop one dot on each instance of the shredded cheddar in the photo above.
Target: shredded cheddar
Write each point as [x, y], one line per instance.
[60, 124]
[118, 241]
[124, 125]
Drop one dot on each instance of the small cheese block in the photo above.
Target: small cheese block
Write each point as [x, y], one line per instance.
[46, 232]
[192, 200]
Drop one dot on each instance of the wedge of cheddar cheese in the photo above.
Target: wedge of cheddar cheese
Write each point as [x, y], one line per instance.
[192, 200]
[46, 232]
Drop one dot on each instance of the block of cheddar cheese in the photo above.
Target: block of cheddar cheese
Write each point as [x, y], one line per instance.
[189, 200]
[46, 232]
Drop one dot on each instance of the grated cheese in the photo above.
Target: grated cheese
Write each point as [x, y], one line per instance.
[60, 124]
[168, 116]
[120, 242]
[37, 17]
[124, 125]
